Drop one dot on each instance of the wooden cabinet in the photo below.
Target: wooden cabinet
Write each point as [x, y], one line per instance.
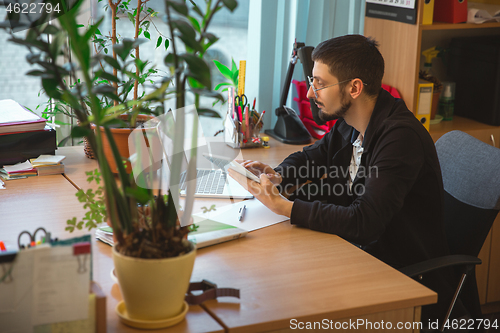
[401, 45]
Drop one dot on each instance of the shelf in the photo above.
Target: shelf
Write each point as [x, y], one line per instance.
[456, 26]
[461, 124]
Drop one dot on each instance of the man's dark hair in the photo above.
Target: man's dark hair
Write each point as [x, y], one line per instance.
[350, 57]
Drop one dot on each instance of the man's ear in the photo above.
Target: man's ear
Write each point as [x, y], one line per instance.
[356, 88]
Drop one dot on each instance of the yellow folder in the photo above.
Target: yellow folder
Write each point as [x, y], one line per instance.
[428, 12]
[424, 102]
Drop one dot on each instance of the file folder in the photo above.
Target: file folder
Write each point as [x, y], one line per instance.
[428, 12]
[450, 11]
[424, 102]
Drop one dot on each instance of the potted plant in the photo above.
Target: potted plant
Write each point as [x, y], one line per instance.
[149, 230]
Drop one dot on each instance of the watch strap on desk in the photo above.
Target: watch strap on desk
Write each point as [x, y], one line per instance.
[210, 291]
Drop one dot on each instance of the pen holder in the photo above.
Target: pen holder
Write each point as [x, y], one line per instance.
[237, 136]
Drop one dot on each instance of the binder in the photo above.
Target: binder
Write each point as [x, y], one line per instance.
[450, 11]
[428, 12]
[424, 102]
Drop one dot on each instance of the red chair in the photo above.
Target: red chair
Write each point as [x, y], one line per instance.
[316, 131]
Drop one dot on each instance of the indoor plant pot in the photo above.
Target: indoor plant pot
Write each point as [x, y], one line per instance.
[154, 289]
[121, 136]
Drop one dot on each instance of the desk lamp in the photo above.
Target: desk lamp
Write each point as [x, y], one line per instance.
[289, 128]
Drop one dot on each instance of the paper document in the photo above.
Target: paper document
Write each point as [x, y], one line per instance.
[48, 160]
[480, 13]
[61, 285]
[256, 215]
[15, 313]
[12, 112]
[23, 166]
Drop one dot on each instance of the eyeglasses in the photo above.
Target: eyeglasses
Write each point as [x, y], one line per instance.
[311, 81]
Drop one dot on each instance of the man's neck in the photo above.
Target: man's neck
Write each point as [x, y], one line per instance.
[360, 113]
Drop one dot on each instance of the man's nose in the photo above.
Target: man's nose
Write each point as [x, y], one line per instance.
[310, 93]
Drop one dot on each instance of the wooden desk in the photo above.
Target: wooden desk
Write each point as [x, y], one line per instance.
[283, 272]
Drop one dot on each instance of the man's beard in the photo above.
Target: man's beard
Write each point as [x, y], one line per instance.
[340, 113]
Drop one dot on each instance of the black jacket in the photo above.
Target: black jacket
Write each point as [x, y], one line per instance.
[394, 210]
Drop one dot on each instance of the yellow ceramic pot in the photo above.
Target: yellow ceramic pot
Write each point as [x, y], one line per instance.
[154, 289]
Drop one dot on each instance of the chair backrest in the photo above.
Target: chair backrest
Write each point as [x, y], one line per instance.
[471, 179]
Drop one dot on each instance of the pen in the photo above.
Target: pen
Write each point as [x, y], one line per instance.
[242, 213]
[260, 118]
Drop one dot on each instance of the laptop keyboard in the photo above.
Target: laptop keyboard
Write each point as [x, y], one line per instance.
[207, 181]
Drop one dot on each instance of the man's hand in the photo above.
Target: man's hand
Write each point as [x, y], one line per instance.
[266, 192]
[258, 168]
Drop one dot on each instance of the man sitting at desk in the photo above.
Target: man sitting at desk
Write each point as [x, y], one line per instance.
[374, 179]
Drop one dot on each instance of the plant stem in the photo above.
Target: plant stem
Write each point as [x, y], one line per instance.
[137, 23]
[113, 40]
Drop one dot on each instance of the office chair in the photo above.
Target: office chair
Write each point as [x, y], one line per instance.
[471, 178]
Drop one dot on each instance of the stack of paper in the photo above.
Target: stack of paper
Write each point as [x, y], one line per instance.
[48, 164]
[14, 118]
[105, 234]
[17, 171]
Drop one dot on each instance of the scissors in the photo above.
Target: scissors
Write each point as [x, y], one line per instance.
[32, 237]
[241, 100]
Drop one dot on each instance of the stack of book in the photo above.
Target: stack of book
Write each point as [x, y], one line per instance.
[23, 134]
[42, 166]
[48, 164]
[17, 171]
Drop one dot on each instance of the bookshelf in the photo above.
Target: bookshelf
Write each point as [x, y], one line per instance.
[401, 45]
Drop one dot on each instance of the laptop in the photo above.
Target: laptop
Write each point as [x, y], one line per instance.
[211, 182]
[214, 183]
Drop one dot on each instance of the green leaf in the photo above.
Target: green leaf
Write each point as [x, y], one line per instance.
[107, 76]
[112, 62]
[50, 87]
[234, 68]
[217, 87]
[138, 193]
[78, 131]
[147, 35]
[71, 100]
[211, 40]
[169, 59]
[179, 6]
[140, 64]
[158, 42]
[92, 30]
[167, 43]
[197, 9]
[191, 43]
[194, 83]
[184, 28]
[230, 4]
[131, 17]
[50, 30]
[123, 49]
[208, 113]
[235, 77]
[195, 23]
[198, 69]
[37, 72]
[224, 70]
